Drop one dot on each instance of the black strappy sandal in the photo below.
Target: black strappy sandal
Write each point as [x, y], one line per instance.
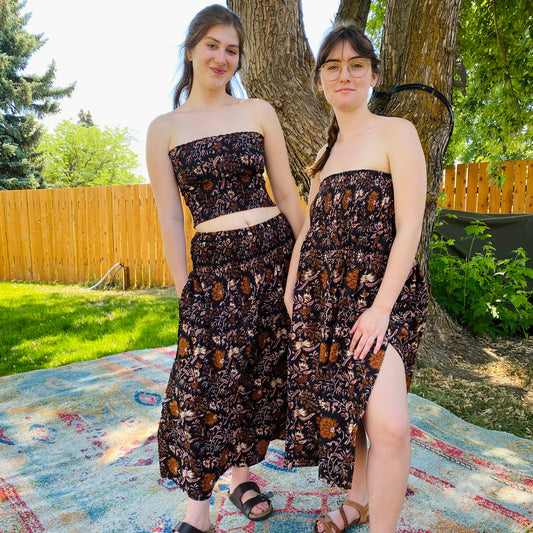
[246, 507]
[183, 527]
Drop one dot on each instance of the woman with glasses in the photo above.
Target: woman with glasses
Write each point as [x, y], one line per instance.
[357, 296]
[226, 396]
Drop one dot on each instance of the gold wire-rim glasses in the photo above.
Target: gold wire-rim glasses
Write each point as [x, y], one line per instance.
[356, 67]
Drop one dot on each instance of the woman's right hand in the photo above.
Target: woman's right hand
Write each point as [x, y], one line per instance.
[288, 300]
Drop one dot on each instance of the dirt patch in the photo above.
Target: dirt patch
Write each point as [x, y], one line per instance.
[503, 362]
[488, 382]
[511, 365]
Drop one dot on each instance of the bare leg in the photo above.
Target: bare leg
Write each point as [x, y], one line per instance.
[358, 492]
[197, 514]
[389, 457]
[240, 474]
[384, 480]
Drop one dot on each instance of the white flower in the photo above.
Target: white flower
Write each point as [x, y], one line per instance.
[241, 447]
[302, 344]
[367, 278]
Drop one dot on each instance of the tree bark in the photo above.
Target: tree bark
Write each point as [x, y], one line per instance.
[277, 67]
[418, 46]
[356, 10]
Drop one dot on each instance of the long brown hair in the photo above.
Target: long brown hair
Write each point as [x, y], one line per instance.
[355, 37]
[198, 27]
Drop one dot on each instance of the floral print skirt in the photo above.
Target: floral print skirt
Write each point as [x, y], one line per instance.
[226, 396]
[342, 262]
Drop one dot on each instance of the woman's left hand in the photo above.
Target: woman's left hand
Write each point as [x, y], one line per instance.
[369, 329]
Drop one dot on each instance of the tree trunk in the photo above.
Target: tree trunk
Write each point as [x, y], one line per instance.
[356, 10]
[417, 47]
[277, 67]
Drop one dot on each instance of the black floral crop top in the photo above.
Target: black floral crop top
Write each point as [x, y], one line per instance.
[221, 174]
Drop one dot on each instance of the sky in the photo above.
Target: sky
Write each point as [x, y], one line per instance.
[124, 54]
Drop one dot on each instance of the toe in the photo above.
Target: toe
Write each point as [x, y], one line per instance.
[260, 508]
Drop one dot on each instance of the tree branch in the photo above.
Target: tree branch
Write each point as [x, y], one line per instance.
[356, 10]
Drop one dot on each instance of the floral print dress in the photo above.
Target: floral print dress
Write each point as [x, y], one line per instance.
[342, 262]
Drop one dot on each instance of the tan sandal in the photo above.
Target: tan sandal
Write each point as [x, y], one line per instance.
[329, 525]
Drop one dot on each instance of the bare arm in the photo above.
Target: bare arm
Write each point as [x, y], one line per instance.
[167, 197]
[408, 169]
[278, 169]
[295, 258]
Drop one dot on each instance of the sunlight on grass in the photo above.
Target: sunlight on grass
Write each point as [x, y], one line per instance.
[48, 325]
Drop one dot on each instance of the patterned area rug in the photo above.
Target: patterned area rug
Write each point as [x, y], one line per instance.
[78, 454]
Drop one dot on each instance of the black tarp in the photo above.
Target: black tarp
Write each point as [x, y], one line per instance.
[508, 232]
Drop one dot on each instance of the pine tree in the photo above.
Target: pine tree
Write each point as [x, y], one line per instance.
[24, 98]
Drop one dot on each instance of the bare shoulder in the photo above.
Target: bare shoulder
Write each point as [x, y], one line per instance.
[396, 126]
[259, 105]
[320, 153]
[165, 129]
[261, 110]
[398, 136]
[264, 116]
[163, 123]
[403, 149]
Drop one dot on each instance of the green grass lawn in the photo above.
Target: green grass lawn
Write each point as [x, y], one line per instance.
[47, 325]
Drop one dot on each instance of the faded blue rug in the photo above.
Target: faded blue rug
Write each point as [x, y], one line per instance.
[78, 454]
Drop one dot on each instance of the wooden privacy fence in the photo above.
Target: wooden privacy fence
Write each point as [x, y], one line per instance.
[78, 234]
[474, 187]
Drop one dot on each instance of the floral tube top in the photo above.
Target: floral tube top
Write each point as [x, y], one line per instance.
[221, 174]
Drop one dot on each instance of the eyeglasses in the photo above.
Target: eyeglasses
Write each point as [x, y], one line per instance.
[357, 68]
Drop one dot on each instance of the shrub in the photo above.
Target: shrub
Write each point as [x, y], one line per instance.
[486, 294]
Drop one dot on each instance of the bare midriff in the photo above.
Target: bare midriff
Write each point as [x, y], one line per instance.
[238, 220]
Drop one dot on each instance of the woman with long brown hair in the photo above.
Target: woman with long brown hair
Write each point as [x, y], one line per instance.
[226, 396]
